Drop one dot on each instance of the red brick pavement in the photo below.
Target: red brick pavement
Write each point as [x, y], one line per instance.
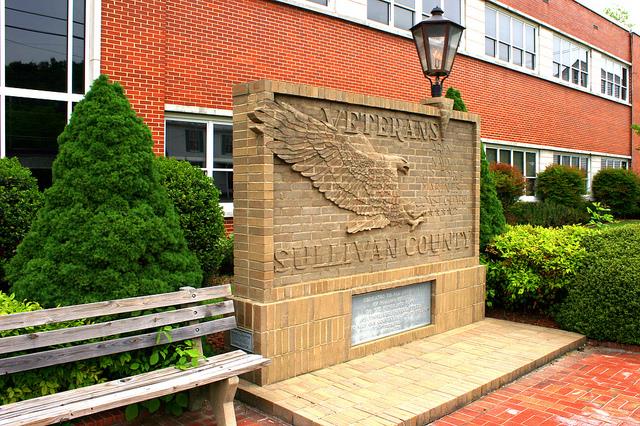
[596, 387]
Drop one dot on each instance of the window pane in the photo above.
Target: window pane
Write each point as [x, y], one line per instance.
[566, 160]
[224, 182]
[322, 2]
[428, 5]
[517, 56]
[503, 51]
[584, 79]
[78, 46]
[529, 60]
[489, 46]
[187, 141]
[565, 73]
[222, 147]
[505, 156]
[505, 27]
[490, 23]
[531, 164]
[566, 49]
[492, 155]
[518, 28]
[556, 70]
[575, 74]
[36, 44]
[530, 38]
[378, 10]
[556, 49]
[32, 127]
[403, 18]
[408, 3]
[518, 160]
[452, 10]
[623, 95]
[575, 162]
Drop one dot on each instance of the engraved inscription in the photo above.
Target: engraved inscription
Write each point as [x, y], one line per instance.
[384, 313]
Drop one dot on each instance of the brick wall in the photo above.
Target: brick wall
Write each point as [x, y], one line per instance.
[635, 92]
[190, 52]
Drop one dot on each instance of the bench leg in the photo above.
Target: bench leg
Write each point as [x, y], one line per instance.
[221, 395]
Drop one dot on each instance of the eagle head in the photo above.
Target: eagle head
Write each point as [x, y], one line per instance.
[401, 164]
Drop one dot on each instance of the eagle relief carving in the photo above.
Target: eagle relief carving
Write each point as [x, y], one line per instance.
[346, 169]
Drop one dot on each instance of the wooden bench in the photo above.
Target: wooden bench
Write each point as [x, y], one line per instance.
[193, 320]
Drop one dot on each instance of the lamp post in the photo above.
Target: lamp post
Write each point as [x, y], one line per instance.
[437, 39]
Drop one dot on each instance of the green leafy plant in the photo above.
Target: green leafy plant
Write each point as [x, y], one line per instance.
[226, 267]
[492, 221]
[603, 299]
[195, 198]
[600, 215]
[20, 200]
[561, 184]
[509, 183]
[619, 190]
[546, 213]
[529, 267]
[458, 103]
[107, 229]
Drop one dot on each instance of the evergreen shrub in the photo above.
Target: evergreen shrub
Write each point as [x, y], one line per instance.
[196, 200]
[509, 183]
[458, 103]
[529, 268]
[547, 214]
[619, 190]
[108, 229]
[492, 221]
[562, 185]
[20, 200]
[603, 300]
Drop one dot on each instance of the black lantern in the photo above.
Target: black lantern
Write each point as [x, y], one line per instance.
[437, 39]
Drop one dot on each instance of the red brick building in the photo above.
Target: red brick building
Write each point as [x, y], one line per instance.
[552, 80]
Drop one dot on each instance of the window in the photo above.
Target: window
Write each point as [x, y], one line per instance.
[509, 39]
[523, 160]
[320, 2]
[614, 80]
[43, 69]
[614, 163]
[570, 62]
[572, 160]
[205, 143]
[403, 14]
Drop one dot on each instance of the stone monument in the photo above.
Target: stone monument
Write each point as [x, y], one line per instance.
[356, 224]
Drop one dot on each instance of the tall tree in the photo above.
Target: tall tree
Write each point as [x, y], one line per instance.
[108, 229]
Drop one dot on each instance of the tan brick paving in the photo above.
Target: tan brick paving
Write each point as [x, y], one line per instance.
[415, 383]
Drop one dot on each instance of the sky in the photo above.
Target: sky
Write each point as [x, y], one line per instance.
[632, 6]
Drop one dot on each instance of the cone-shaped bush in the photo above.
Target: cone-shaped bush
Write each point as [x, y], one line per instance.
[108, 229]
[492, 221]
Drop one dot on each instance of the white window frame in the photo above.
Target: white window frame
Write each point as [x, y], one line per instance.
[614, 163]
[418, 13]
[512, 47]
[525, 151]
[91, 64]
[572, 46]
[210, 121]
[610, 66]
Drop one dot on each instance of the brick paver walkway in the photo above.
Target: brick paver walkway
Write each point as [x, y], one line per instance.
[595, 387]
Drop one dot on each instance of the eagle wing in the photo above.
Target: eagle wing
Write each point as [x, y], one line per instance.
[362, 182]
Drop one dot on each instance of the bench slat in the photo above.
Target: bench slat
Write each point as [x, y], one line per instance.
[93, 331]
[111, 307]
[186, 380]
[94, 391]
[109, 347]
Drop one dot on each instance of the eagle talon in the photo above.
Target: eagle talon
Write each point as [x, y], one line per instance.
[414, 223]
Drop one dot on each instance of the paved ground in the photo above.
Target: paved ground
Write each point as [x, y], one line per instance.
[595, 387]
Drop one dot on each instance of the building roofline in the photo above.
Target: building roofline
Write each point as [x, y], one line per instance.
[607, 17]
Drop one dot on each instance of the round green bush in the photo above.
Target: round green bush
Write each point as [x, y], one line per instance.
[562, 185]
[492, 221]
[603, 301]
[509, 183]
[20, 200]
[619, 190]
[195, 198]
[108, 229]
[458, 103]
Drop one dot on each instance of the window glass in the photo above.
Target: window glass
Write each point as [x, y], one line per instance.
[490, 23]
[613, 79]
[36, 44]
[489, 46]
[570, 62]
[518, 160]
[78, 46]
[492, 155]
[531, 164]
[505, 156]
[452, 10]
[223, 147]
[32, 130]
[320, 2]
[504, 27]
[378, 10]
[402, 18]
[224, 182]
[518, 34]
[186, 141]
[509, 39]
